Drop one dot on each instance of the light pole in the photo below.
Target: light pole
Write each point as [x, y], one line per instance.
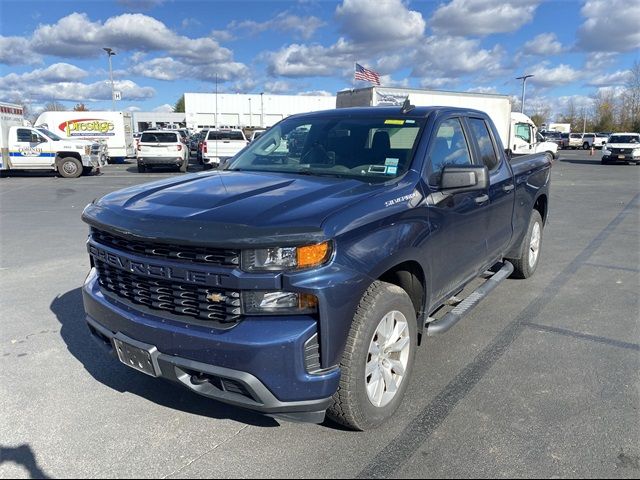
[250, 115]
[111, 53]
[524, 82]
[261, 110]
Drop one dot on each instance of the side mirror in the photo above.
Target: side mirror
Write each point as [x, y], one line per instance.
[464, 179]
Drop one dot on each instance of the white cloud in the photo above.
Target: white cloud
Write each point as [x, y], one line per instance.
[482, 17]
[166, 108]
[551, 77]
[133, 108]
[130, 32]
[483, 90]
[610, 26]
[15, 51]
[277, 86]
[617, 78]
[298, 60]
[543, 44]
[433, 57]
[385, 23]
[60, 82]
[304, 27]
[170, 69]
[316, 93]
[599, 60]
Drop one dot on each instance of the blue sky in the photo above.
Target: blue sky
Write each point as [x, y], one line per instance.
[53, 50]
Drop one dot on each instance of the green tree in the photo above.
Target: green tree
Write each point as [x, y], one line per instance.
[179, 106]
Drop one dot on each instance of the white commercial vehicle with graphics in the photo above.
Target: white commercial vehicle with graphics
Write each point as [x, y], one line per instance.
[112, 128]
[31, 148]
[517, 131]
[220, 145]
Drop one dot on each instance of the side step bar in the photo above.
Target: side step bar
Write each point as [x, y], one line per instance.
[443, 324]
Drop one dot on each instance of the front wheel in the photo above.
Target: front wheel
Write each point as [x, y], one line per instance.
[70, 167]
[378, 358]
[525, 265]
[585, 146]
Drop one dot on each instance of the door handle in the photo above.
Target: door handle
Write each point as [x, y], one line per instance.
[508, 188]
[482, 199]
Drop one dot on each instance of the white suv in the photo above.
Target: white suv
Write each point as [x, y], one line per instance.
[162, 148]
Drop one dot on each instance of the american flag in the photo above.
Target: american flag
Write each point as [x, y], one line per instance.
[366, 75]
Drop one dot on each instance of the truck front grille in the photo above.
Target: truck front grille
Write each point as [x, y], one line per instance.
[201, 303]
[193, 254]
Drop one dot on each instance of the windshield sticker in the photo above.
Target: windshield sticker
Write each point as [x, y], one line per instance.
[392, 170]
[395, 201]
[391, 162]
[394, 122]
[410, 122]
[377, 169]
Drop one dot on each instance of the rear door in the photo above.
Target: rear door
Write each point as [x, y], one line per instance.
[457, 247]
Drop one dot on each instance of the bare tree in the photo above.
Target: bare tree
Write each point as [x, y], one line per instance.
[630, 102]
[604, 111]
[55, 107]
[572, 116]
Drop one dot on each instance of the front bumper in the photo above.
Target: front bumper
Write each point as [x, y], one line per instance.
[263, 357]
[615, 157]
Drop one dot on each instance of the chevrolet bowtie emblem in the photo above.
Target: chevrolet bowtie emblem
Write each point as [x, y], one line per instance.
[216, 297]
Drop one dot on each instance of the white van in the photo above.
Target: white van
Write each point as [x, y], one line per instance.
[113, 128]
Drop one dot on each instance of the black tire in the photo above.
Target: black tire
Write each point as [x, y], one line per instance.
[351, 405]
[69, 167]
[522, 266]
[207, 166]
[184, 166]
[87, 170]
[142, 168]
[585, 146]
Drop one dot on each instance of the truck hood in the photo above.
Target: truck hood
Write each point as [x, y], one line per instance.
[228, 209]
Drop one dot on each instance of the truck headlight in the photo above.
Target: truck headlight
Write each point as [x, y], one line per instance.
[278, 302]
[606, 151]
[636, 152]
[288, 258]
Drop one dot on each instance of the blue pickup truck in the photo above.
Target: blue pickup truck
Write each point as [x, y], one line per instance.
[300, 280]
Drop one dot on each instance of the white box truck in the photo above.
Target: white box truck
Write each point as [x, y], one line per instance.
[24, 147]
[113, 128]
[518, 133]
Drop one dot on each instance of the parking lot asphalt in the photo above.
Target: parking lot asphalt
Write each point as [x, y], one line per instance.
[542, 379]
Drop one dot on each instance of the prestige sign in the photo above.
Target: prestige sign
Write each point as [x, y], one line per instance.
[87, 127]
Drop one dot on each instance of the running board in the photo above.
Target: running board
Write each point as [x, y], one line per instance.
[440, 326]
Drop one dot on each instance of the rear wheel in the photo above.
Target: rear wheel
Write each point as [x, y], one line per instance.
[378, 358]
[525, 265]
[184, 166]
[585, 146]
[70, 167]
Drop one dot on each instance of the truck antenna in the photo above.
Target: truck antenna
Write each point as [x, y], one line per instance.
[406, 106]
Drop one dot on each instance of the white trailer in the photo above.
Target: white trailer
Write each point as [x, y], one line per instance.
[510, 126]
[560, 127]
[113, 128]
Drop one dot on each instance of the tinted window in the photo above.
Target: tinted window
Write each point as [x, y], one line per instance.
[449, 148]
[485, 143]
[217, 135]
[159, 137]
[24, 135]
[624, 139]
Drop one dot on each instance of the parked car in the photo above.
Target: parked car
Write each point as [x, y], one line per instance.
[220, 145]
[602, 138]
[622, 147]
[162, 148]
[298, 283]
[564, 141]
[256, 134]
[575, 141]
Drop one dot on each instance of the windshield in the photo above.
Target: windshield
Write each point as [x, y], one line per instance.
[49, 134]
[624, 139]
[373, 149]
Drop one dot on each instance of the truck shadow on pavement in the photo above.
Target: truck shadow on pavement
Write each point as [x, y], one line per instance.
[69, 311]
[22, 456]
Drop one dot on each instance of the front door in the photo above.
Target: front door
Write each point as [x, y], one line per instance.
[32, 150]
[456, 248]
[522, 142]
